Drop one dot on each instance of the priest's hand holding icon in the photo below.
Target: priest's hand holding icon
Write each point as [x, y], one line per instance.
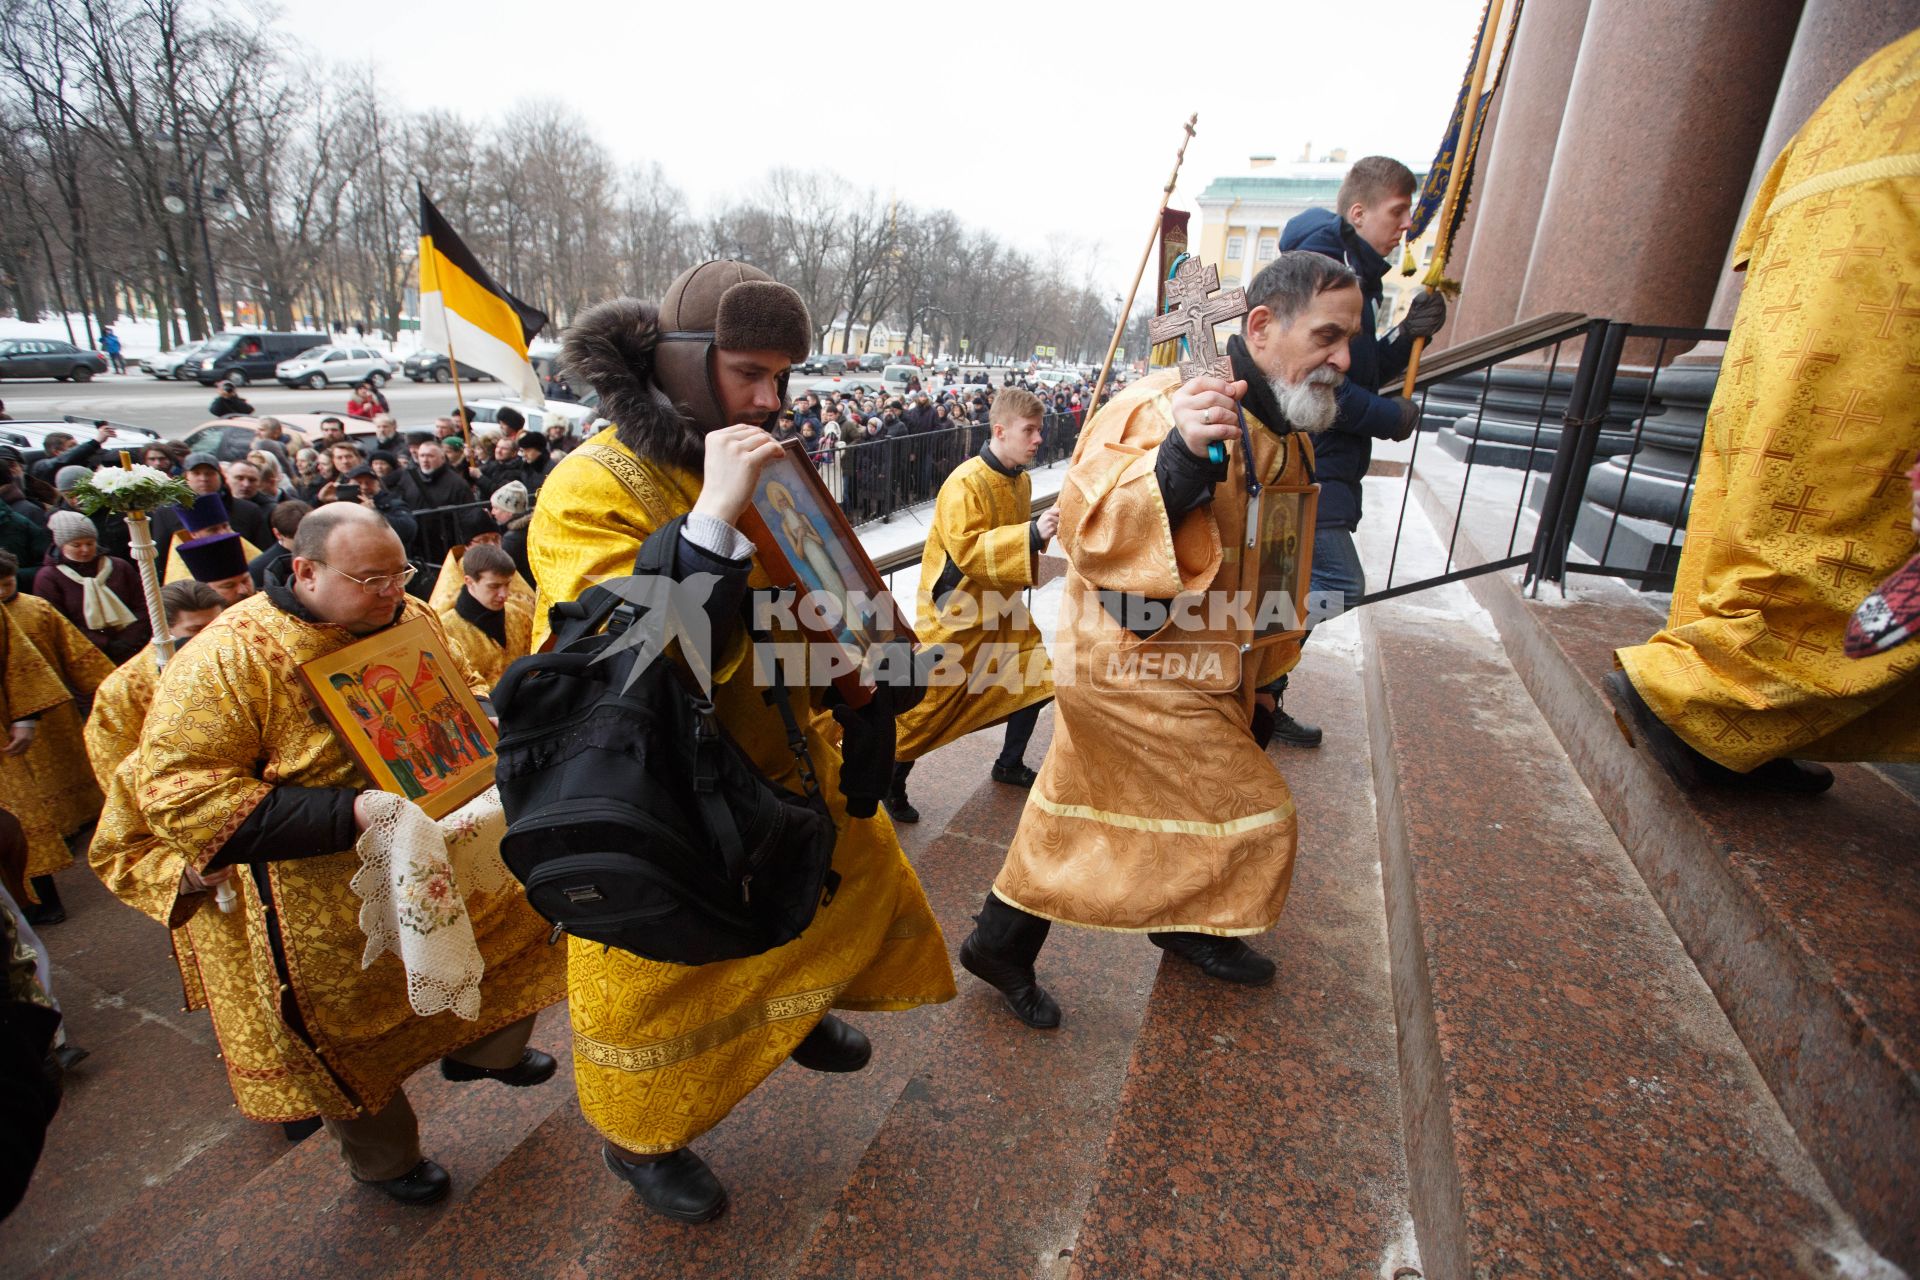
[1206, 410]
[734, 457]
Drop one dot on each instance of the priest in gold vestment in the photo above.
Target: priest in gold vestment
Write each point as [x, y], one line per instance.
[663, 1052]
[30, 690]
[982, 552]
[57, 760]
[486, 625]
[238, 781]
[1802, 504]
[1156, 811]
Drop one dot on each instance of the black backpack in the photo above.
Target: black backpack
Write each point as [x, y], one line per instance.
[633, 820]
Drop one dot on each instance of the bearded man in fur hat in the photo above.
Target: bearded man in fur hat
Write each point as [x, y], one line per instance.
[663, 1052]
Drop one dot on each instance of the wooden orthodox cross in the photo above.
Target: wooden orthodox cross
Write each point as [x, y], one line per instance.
[1191, 314]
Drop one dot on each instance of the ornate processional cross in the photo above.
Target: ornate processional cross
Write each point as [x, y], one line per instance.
[1191, 314]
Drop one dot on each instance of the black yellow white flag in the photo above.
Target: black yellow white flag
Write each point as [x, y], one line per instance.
[465, 314]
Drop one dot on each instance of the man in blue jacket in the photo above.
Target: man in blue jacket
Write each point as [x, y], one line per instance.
[1375, 203]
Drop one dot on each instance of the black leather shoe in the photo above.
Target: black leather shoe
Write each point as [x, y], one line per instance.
[833, 1045]
[300, 1130]
[678, 1185]
[1014, 775]
[901, 809]
[70, 1056]
[1022, 991]
[1295, 734]
[1227, 959]
[425, 1183]
[533, 1068]
[1640, 726]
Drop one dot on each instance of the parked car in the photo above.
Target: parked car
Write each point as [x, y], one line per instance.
[46, 358]
[250, 355]
[230, 439]
[824, 364]
[319, 367]
[432, 366]
[176, 365]
[895, 377]
[30, 436]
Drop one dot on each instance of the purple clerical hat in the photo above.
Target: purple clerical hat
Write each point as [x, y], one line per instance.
[207, 510]
[214, 559]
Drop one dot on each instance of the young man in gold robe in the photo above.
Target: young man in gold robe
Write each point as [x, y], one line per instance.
[663, 1052]
[30, 690]
[983, 550]
[479, 529]
[1802, 506]
[57, 758]
[486, 626]
[237, 780]
[1156, 811]
[120, 708]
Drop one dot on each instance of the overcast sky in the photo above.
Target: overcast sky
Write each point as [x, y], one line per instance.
[1053, 124]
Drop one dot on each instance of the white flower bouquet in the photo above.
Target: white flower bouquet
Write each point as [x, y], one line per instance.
[121, 490]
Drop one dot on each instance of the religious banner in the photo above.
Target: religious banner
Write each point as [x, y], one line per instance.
[396, 702]
[843, 605]
[1173, 251]
[1460, 142]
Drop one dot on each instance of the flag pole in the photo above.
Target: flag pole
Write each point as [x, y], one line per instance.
[1457, 178]
[453, 367]
[1120, 329]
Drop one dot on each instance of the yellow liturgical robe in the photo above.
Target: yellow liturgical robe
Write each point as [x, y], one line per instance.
[58, 756]
[980, 551]
[663, 1052]
[477, 649]
[1155, 808]
[31, 688]
[1803, 506]
[120, 707]
[304, 1029]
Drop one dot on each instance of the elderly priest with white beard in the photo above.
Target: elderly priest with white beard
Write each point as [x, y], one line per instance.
[1156, 811]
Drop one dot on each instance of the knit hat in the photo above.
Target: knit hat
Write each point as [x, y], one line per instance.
[207, 510]
[214, 559]
[67, 477]
[70, 526]
[512, 496]
[528, 440]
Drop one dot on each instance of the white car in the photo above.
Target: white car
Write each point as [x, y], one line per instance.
[577, 415]
[323, 366]
[171, 366]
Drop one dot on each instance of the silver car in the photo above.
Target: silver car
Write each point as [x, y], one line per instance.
[172, 366]
[343, 365]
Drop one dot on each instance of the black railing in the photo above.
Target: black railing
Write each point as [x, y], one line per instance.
[878, 477]
[1607, 409]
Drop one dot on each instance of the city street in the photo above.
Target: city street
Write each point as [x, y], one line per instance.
[174, 409]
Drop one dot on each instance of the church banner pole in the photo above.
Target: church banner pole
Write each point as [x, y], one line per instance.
[1120, 328]
[1443, 236]
[453, 367]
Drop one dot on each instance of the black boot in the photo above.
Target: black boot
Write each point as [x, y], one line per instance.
[833, 1045]
[1001, 951]
[425, 1183]
[1642, 727]
[678, 1184]
[1285, 727]
[49, 910]
[1227, 959]
[899, 808]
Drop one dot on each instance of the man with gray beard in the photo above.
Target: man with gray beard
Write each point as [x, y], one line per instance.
[1156, 810]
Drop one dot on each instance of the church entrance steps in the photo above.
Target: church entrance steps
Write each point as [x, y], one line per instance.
[1576, 1103]
[1259, 1129]
[1800, 912]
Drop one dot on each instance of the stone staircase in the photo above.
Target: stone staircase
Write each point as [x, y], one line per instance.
[1539, 1014]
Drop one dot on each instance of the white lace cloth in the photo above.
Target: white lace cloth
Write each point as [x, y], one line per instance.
[415, 880]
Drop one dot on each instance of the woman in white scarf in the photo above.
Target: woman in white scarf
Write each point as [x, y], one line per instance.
[100, 594]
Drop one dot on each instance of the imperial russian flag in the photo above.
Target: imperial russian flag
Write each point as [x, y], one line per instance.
[468, 316]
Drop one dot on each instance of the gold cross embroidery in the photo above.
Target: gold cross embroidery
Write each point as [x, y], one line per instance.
[1805, 355]
[1896, 310]
[1847, 416]
[1850, 250]
[1798, 511]
[1891, 473]
[1842, 565]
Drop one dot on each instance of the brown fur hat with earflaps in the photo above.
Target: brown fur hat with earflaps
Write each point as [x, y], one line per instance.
[651, 365]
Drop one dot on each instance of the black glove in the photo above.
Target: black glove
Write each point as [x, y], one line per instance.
[1409, 417]
[1425, 316]
[866, 755]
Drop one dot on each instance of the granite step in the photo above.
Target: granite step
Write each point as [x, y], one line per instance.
[1800, 912]
[1259, 1130]
[303, 1215]
[1575, 1101]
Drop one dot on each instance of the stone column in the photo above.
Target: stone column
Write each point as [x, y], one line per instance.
[1663, 119]
[1835, 36]
[1512, 177]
